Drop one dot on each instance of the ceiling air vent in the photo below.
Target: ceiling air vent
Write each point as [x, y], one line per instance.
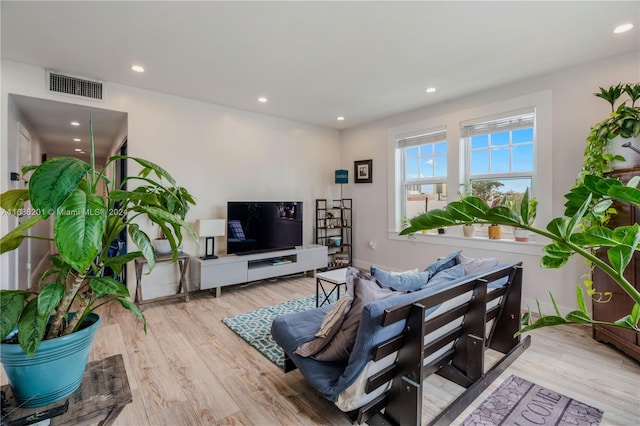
[60, 83]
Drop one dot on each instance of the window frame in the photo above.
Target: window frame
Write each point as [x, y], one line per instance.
[429, 137]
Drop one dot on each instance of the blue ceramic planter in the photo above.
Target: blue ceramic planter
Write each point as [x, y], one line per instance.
[56, 369]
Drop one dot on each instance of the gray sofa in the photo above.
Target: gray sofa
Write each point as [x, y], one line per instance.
[457, 318]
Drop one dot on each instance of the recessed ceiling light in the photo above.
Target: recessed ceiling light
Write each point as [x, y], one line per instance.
[262, 99]
[431, 89]
[77, 139]
[77, 150]
[341, 118]
[622, 28]
[137, 68]
[75, 123]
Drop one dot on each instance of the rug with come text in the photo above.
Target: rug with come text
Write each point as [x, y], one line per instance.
[520, 402]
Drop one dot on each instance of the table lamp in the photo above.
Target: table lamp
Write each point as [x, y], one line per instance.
[209, 229]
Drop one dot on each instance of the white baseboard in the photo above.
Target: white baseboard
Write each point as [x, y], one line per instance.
[545, 306]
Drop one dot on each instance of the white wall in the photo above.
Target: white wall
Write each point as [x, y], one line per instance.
[9, 162]
[574, 110]
[38, 249]
[217, 153]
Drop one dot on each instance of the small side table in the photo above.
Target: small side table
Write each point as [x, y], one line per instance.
[102, 396]
[335, 278]
[183, 288]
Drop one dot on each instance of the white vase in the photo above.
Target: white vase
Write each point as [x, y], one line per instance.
[162, 246]
[632, 158]
[468, 231]
[521, 235]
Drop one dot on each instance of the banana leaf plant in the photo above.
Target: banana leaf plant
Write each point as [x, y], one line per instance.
[85, 223]
[569, 235]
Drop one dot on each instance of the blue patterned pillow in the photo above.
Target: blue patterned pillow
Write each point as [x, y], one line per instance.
[449, 261]
[409, 280]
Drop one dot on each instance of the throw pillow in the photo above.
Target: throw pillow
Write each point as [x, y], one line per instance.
[443, 263]
[474, 265]
[365, 289]
[445, 276]
[403, 272]
[408, 280]
[316, 345]
[333, 316]
[328, 328]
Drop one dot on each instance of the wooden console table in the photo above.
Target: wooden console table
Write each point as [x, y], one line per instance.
[102, 396]
[183, 288]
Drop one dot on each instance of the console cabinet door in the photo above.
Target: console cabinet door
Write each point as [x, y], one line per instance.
[216, 274]
[620, 303]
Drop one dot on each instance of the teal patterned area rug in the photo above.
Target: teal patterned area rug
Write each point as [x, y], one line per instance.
[255, 327]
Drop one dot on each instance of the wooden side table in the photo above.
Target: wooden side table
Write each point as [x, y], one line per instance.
[183, 288]
[102, 396]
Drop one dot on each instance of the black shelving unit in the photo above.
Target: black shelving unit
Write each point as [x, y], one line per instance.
[333, 222]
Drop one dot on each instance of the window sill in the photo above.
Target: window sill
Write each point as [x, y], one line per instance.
[532, 247]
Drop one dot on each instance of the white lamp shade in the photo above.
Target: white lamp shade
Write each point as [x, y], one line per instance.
[210, 227]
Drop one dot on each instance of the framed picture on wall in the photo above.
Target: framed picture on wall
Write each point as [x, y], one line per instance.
[363, 171]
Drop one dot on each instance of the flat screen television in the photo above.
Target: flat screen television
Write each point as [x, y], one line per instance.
[263, 226]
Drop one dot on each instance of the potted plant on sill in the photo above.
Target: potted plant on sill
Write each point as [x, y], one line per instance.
[569, 235]
[494, 231]
[45, 325]
[614, 141]
[527, 210]
[468, 230]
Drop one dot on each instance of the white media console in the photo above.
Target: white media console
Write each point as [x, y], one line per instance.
[234, 269]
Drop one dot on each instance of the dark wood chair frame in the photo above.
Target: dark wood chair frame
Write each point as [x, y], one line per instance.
[463, 364]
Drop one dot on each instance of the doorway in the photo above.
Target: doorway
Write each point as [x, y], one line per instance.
[41, 129]
[22, 261]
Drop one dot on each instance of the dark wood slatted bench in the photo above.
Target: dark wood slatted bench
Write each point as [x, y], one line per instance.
[463, 363]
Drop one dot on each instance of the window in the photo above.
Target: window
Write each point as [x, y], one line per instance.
[424, 171]
[496, 155]
[499, 154]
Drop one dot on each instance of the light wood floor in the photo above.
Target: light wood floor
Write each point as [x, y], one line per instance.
[190, 369]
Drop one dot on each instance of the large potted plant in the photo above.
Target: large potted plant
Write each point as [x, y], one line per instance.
[613, 143]
[47, 334]
[569, 234]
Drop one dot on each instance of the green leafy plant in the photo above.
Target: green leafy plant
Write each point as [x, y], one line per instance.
[85, 223]
[173, 199]
[569, 236]
[528, 208]
[525, 207]
[623, 121]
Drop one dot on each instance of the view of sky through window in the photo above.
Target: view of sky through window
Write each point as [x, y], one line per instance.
[503, 153]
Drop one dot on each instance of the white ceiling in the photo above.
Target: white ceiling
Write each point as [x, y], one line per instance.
[51, 121]
[316, 60]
